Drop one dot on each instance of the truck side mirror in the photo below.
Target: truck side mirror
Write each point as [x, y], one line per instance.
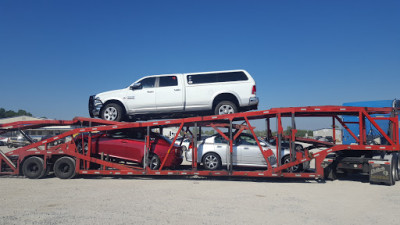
[136, 86]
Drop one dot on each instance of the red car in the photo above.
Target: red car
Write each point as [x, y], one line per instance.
[128, 145]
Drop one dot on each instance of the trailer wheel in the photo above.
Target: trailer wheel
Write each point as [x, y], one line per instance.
[225, 107]
[294, 169]
[154, 162]
[112, 111]
[64, 168]
[33, 168]
[211, 161]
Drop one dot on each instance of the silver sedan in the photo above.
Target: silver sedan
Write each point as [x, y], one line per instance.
[214, 151]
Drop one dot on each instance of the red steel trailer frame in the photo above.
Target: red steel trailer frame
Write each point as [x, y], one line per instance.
[11, 162]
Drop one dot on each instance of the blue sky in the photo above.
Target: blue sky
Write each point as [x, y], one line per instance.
[54, 54]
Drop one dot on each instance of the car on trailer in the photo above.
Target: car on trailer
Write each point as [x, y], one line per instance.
[177, 96]
[127, 146]
[18, 141]
[212, 153]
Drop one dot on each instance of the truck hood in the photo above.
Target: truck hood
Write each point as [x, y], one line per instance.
[110, 94]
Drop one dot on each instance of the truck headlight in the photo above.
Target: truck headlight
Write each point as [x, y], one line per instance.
[97, 101]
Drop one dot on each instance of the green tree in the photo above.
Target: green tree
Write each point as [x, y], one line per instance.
[10, 113]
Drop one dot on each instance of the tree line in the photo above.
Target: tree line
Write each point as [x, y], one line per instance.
[10, 113]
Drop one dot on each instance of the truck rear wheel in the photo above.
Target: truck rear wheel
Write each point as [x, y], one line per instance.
[64, 168]
[225, 107]
[33, 168]
[393, 168]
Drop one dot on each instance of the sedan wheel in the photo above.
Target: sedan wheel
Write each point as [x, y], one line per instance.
[154, 163]
[211, 161]
[294, 169]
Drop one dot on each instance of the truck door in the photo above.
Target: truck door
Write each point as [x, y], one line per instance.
[169, 93]
[144, 99]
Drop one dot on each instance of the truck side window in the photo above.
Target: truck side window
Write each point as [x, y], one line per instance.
[148, 82]
[168, 81]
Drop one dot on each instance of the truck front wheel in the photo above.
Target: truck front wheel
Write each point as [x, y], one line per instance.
[225, 107]
[112, 111]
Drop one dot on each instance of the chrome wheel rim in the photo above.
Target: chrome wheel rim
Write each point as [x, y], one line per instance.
[110, 113]
[211, 161]
[153, 163]
[293, 168]
[79, 147]
[225, 109]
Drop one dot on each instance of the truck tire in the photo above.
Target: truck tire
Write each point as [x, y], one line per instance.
[393, 168]
[64, 168]
[112, 111]
[225, 107]
[396, 162]
[33, 168]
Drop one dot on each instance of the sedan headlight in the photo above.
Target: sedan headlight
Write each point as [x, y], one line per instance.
[272, 160]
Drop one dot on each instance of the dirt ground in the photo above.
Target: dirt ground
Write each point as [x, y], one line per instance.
[178, 200]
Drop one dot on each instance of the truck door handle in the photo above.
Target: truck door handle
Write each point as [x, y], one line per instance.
[150, 91]
[219, 146]
[177, 89]
[246, 148]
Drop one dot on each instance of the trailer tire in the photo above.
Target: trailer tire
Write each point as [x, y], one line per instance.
[64, 168]
[33, 168]
[212, 161]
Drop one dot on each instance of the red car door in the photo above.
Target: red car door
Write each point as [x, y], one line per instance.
[120, 146]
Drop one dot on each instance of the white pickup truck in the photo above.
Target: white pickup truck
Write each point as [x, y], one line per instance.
[175, 95]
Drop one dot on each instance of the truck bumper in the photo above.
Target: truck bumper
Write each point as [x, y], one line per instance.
[94, 107]
[253, 104]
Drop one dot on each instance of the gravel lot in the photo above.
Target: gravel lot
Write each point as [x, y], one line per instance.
[177, 200]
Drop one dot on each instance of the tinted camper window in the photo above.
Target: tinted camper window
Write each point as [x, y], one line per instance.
[216, 77]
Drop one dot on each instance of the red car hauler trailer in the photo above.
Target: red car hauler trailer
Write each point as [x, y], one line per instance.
[67, 159]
